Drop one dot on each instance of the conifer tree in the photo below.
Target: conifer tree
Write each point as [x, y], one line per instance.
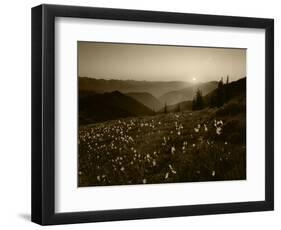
[220, 94]
[226, 90]
[198, 101]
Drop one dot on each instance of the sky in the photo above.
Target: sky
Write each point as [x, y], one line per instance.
[159, 62]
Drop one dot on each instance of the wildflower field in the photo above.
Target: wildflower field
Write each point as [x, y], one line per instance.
[188, 146]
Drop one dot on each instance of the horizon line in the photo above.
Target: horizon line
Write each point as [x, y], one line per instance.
[192, 82]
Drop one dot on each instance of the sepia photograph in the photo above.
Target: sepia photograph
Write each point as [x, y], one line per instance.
[150, 114]
[140, 114]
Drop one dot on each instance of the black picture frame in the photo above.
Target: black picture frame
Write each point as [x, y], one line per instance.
[43, 110]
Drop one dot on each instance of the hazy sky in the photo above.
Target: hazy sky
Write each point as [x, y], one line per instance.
[159, 63]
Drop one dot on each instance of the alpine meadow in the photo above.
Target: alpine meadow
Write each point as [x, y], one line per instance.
[152, 114]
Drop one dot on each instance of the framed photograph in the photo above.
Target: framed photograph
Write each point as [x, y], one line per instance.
[142, 114]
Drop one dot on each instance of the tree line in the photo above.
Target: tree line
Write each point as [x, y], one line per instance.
[220, 96]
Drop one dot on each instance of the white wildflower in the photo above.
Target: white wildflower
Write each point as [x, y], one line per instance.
[173, 149]
[167, 175]
[196, 130]
[218, 130]
[205, 128]
[213, 173]
[172, 169]
[144, 181]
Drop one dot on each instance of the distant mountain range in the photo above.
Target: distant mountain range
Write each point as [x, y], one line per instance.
[155, 88]
[97, 103]
[187, 93]
[169, 93]
[236, 89]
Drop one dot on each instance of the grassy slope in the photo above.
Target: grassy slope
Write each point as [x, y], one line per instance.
[94, 107]
[164, 148]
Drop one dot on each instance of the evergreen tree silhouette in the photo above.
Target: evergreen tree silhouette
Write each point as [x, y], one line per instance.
[220, 94]
[198, 101]
[226, 90]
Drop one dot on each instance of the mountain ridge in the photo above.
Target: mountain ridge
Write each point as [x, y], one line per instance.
[99, 107]
[156, 88]
[147, 99]
[236, 89]
[188, 93]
